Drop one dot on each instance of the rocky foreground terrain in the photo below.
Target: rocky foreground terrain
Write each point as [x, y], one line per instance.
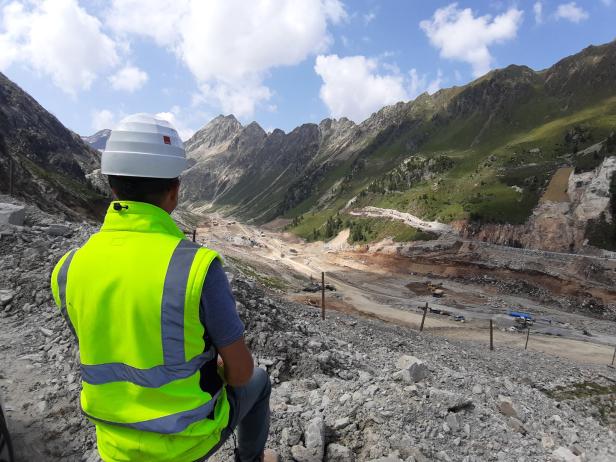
[344, 389]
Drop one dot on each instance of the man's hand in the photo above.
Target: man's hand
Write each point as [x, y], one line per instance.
[238, 363]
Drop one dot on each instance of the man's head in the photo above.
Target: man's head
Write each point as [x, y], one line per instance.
[143, 159]
[162, 192]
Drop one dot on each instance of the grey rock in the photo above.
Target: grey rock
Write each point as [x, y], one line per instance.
[11, 214]
[508, 408]
[516, 425]
[413, 369]
[59, 230]
[453, 421]
[301, 454]
[563, 454]
[341, 423]
[314, 435]
[339, 453]
[6, 296]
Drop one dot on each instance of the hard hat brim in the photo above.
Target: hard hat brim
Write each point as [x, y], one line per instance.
[140, 164]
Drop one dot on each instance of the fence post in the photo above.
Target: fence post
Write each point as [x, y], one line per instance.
[194, 235]
[491, 335]
[322, 295]
[527, 335]
[614, 356]
[423, 318]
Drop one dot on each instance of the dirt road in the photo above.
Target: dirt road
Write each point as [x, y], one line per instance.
[371, 288]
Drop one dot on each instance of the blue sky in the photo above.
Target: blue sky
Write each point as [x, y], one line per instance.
[281, 63]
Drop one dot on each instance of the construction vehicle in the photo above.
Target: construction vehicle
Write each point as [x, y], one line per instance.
[436, 289]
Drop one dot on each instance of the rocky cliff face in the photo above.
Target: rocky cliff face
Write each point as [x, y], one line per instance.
[48, 161]
[247, 171]
[559, 226]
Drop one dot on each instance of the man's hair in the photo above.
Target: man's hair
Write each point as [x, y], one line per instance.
[150, 190]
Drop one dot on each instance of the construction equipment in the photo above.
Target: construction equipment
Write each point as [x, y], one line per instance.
[436, 289]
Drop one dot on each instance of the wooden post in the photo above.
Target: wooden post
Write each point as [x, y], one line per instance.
[491, 335]
[423, 318]
[527, 335]
[194, 235]
[322, 295]
[614, 356]
[11, 175]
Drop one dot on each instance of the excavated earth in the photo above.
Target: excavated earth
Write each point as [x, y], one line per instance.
[345, 388]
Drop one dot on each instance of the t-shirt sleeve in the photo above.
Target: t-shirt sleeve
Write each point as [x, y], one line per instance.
[218, 311]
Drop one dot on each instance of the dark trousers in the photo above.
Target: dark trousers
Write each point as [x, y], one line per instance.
[250, 413]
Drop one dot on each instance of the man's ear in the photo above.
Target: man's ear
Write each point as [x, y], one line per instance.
[175, 191]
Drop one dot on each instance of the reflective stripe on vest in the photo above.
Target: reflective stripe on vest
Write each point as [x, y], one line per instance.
[173, 423]
[175, 366]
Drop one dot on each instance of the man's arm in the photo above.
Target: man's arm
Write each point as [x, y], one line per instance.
[238, 363]
[224, 327]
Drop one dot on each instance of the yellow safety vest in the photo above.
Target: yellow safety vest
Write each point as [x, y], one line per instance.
[131, 296]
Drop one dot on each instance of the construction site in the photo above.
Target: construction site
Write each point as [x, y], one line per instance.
[364, 383]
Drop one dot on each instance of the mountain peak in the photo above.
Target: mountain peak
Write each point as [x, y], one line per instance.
[99, 139]
[219, 130]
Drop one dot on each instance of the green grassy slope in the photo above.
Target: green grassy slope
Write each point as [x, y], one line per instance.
[502, 158]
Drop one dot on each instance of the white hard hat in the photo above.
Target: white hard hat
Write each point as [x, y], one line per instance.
[145, 146]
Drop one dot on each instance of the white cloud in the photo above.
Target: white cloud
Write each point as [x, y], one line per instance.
[571, 12]
[129, 78]
[230, 46]
[459, 35]
[56, 38]
[103, 118]
[607, 2]
[538, 10]
[353, 87]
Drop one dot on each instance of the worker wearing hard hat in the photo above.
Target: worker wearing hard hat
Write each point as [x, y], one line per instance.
[154, 314]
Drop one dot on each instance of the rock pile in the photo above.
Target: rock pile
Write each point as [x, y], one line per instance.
[345, 389]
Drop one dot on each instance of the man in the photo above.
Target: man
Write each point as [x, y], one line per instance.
[166, 375]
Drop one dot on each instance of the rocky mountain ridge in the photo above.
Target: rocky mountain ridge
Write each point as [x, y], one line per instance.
[512, 127]
[98, 140]
[49, 163]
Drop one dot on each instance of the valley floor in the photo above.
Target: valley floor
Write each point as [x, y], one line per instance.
[347, 388]
[381, 283]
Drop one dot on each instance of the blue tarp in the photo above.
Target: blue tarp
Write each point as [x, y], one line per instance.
[518, 314]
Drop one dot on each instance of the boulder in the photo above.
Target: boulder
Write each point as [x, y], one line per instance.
[339, 453]
[563, 454]
[508, 408]
[11, 214]
[59, 230]
[412, 369]
[314, 443]
[314, 435]
[6, 296]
